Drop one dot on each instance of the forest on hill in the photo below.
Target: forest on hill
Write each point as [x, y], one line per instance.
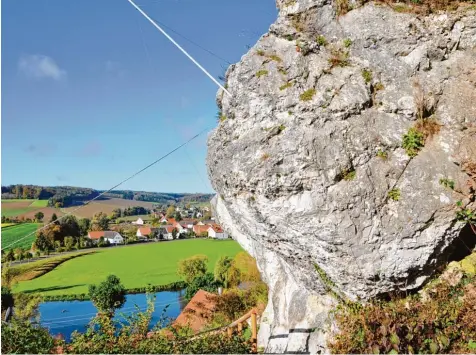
[65, 196]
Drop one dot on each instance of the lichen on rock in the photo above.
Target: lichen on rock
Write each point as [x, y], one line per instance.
[377, 74]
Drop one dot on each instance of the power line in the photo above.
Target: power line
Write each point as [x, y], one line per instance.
[178, 46]
[112, 188]
[192, 42]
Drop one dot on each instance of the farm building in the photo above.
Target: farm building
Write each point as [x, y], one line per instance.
[111, 236]
[217, 232]
[139, 222]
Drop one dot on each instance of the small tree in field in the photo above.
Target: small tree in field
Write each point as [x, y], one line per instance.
[39, 216]
[68, 243]
[192, 267]
[108, 296]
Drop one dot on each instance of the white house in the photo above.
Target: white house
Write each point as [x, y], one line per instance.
[111, 236]
[139, 222]
[216, 232]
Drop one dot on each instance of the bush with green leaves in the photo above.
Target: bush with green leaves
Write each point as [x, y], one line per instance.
[192, 267]
[307, 95]
[24, 337]
[413, 142]
[108, 296]
[206, 282]
[226, 272]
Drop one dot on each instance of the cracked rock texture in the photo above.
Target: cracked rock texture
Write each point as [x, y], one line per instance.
[283, 166]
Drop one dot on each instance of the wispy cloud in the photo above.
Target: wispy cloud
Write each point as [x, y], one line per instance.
[41, 149]
[91, 149]
[40, 67]
[115, 68]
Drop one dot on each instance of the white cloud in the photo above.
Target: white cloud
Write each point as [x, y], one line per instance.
[40, 67]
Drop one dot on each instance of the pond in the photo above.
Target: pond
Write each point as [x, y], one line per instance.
[64, 317]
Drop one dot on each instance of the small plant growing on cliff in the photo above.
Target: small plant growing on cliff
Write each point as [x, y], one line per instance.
[261, 73]
[265, 156]
[281, 128]
[394, 194]
[260, 52]
[347, 42]
[282, 71]
[413, 142]
[382, 154]
[285, 86]
[307, 95]
[378, 86]
[466, 215]
[447, 183]
[321, 40]
[289, 37]
[342, 7]
[275, 58]
[339, 58]
[367, 75]
[348, 175]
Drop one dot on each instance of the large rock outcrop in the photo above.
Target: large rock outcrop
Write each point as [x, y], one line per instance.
[308, 161]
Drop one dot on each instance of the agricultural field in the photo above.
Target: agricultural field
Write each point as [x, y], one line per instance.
[106, 206]
[13, 208]
[12, 233]
[28, 208]
[39, 203]
[136, 265]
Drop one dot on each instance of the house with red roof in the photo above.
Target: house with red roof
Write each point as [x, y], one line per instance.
[111, 236]
[144, 233]
[201, 230]
[217, 232]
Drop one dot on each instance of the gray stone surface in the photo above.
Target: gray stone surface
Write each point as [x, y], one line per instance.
[277, 162]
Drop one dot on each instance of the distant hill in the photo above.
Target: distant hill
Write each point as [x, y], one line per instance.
[67, 196]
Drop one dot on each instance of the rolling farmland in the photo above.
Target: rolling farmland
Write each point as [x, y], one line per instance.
[12, 233]
[28, 209]
[106, 206]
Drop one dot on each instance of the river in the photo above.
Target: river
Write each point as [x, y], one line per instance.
[67, 316]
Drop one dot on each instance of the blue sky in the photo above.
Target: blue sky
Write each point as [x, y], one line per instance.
[92, 92]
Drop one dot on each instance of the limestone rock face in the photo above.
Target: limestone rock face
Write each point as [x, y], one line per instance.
[310, 149]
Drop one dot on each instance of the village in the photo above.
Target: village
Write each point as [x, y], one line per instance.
[161, 226]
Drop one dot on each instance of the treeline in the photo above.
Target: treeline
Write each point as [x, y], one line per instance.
[129, 211]
[57, 196]
[159, 197]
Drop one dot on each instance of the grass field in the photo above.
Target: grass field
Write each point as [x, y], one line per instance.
[10, 234]
[39, 203]
[136, 265]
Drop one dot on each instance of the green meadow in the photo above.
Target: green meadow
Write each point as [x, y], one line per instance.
[136, 265]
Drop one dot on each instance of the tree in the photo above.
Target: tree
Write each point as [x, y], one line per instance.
[70, 227]
[42, 242]
[205, 282]
[84, 225]
[170, 211]
[178, 216]
[174, 233]
[68, 243]
[54, 217]
[10, 256]
[192, 267]
[221, 269]
[247, 266]
[39, 216]
[100, 222]
[108, 296]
